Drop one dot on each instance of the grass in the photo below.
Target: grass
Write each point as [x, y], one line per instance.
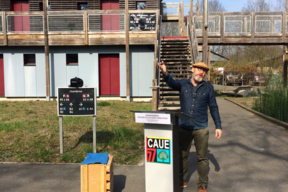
[29, 132]
[273, 102]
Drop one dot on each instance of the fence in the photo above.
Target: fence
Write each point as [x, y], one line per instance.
[213, 24]
[66, 23]
[24, 23]
[106, 22]
[237, 24]
[268, 24]
[1, 23]
[171, 9]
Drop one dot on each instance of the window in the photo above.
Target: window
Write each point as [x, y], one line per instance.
[72, 59]
[82, 6]
[29, 60]
[41, 6]
[141, 5]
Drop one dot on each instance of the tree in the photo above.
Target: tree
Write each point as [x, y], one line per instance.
[256, 6]
[163, 156]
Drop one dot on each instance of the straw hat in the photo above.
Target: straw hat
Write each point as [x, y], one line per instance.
[201, 65]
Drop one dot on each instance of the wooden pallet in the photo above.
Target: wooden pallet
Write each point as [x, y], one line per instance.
[97, 177]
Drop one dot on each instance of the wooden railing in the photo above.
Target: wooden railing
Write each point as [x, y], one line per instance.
[75, 28]
[234, 27]
[192, 40]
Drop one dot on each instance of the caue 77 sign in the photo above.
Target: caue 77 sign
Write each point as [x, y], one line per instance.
[158, 150]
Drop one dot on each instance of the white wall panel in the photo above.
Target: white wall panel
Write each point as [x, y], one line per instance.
[122, 60]
[134, 68]
[58, 72]
[14, 75]
[142, 71]
[88, 69]
[72, 72]
[145, 64]
[30, 81]
[40, 75]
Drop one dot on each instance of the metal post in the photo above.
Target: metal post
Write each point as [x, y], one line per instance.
[94, 134]
[61, 133]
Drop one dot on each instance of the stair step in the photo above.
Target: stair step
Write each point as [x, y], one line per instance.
[172, 49]
[168, 92]
[174, 40]
[175, 55]
[180, 46]
[179, 62]
[165, 103]
[176, 59]
[174, 43]
[169, 108]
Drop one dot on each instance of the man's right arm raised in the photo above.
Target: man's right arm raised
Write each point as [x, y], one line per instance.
[174, 84]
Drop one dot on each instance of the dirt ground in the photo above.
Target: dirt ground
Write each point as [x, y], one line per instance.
[246, 101]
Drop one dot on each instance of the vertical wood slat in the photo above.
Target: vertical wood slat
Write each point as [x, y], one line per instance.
[86, 27]
[46, 41]
[191, 7]
[245, 25]
[222, 27]
[182, 17]
[285, 65]
[4, 28]
[253, 27]
[127, 50]
[284, 27]
[272, 25]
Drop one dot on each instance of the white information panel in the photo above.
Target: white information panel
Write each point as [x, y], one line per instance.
[151, 118]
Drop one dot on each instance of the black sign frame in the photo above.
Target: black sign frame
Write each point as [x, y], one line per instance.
[77, 101]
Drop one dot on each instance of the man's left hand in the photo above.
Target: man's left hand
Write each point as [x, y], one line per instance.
[218, 133]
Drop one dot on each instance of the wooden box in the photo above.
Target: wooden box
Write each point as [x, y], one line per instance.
[97, 177]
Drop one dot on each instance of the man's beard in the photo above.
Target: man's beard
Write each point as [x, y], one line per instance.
[197, 78]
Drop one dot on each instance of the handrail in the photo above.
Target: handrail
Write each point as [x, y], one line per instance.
[189, 24]
[160, 39]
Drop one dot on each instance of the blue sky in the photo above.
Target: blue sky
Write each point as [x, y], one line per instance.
[229, 5]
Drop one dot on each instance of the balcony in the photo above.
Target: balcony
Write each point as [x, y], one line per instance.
[93, 27]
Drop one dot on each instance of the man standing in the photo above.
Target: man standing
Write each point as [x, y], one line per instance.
[195, 97]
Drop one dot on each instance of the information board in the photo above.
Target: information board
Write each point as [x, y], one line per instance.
[142, 21]
[74, 101]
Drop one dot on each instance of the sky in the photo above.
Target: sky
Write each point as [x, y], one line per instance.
[229, 5]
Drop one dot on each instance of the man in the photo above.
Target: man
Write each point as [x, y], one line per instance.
[195, 96]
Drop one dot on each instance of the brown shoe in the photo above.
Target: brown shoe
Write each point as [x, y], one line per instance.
[183, 184]
[201, 189]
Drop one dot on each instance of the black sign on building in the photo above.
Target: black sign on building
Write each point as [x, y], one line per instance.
[142, 21]
[77, 101]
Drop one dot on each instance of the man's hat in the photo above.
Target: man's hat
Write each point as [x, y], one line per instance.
[201, 65]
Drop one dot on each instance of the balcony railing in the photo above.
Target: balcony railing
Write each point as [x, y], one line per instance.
[74, 21]
[1, 24]
[92, 27]
[238, 23]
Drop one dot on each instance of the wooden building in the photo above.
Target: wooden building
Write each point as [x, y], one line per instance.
[86, 38]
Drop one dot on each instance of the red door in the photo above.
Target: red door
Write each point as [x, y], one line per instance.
[2, 87]
[21, 23]
[110, 22]
[109, 74]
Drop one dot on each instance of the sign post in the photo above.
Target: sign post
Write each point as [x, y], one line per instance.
[76, 101]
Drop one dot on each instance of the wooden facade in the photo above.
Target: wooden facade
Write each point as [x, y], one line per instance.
[61, 5]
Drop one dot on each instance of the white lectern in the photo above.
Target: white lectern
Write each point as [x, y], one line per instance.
[161, 149]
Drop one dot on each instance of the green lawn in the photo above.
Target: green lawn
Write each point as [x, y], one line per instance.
[29, 132]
